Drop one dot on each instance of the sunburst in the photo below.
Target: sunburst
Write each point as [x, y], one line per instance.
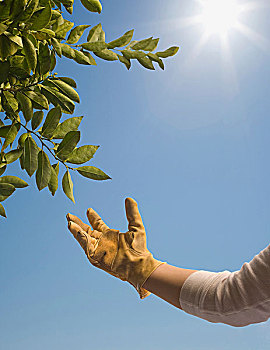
[221, 18]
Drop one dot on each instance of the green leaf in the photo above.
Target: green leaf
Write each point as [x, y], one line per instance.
[4, 130]
[30, 9]
[92, 173]
[76, 33]
[11, 100]
[16, 9]
[142, 44]
[96, 34]
[6, 189]
[19, 72]
[19, 61]
[67, 51]
[91, 58]
[37, 119]
[30, 53]
[45, 34]
[13, 180]
[26, 106]
[57, 46]
[124, 60]
[4, 70]
[69, 9]
[30, 155]
[11, 134]
[2, 211]
[62, 29]
[155, 58]
[3, 169]
[81, 58]
[53, 61]
[96, 46]
[3, 28]
[122, 41]
[106, 55]
[68, 144]
[44, 58]
[67, 186]
[22, 139]
[169, 52]
[41, 18]
[43, 173]
[152, 45]
[146, 62]
[15, 38]
[57, 98]
[82, 154]
[67, 90]
[69, 81]
[3, 161]
[53, 183]
[7, 47]
[133, 54]
[38, 98]
[3, 198]
[21, 142]
[56, 168]
[51, 122]
[146, 44]
[22, 162]
[12, 156]
[92, 5]
[68, 125]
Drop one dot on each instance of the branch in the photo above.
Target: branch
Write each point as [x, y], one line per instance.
[42, 143]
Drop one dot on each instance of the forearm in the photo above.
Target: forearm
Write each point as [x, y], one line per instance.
[238, 298]
[235, 298]
[166, 282]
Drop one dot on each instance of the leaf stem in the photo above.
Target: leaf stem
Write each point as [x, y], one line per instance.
[22, 88]
[42, 142]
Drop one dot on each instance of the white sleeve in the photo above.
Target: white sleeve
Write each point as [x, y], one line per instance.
[236, 298]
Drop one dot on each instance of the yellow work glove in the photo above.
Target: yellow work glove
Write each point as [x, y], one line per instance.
[123, 255]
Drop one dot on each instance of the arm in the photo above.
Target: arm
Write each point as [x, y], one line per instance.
[238, 299]
[166, 282]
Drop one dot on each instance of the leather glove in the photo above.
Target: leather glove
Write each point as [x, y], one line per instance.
[123, 255]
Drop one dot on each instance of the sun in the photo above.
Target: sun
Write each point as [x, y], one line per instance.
[223, 19]
[219, 16]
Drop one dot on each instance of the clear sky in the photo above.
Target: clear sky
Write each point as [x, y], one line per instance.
[191, 145]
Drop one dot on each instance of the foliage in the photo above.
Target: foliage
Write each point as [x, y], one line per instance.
[33, 35]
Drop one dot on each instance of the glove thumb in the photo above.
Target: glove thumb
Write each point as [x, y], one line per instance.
[133, 215]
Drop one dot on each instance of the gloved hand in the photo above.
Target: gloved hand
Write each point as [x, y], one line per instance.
[123, 255]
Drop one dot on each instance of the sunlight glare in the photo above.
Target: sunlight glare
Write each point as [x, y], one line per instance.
[219, 16]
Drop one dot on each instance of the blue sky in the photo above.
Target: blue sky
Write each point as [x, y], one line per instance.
[191, 145]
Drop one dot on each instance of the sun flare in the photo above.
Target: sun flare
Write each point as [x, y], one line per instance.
[219, 16]
[223, 19]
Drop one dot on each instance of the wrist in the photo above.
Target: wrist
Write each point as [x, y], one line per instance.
[140, 272]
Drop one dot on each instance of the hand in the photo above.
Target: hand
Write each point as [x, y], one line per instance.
[123, 255]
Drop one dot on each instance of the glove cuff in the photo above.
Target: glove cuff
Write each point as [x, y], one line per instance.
[142, 272]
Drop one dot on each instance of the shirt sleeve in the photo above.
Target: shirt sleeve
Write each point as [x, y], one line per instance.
[235, 298]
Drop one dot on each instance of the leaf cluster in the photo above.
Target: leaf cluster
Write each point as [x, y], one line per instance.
[33, 36]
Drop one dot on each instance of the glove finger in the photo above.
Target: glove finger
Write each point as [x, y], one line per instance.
[79, 222]
[85, 241]
[93, 241]
[96, 222]
[133, 215]
[95, 234]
